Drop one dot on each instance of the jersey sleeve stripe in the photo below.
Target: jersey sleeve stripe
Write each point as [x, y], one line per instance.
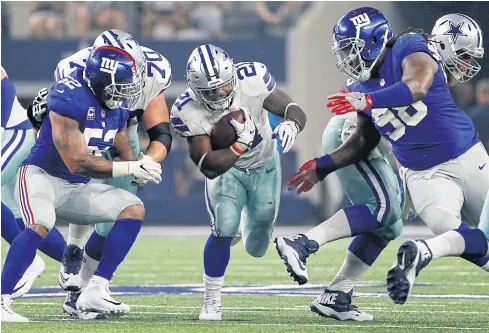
[177, 121]
[266, 77]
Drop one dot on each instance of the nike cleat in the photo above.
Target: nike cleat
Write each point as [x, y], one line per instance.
[69, 307]
[95, 298]
[412, 257]
[294, 252]
[69, 272]
[30, 275]
[337, 305]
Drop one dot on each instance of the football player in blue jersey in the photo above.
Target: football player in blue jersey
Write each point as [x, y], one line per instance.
[410, 106]
[18, 138]
[86, 117]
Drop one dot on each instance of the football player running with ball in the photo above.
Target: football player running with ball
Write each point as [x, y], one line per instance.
[243, 181]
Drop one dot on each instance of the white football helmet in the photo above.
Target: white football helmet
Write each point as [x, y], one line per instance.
[458, 39]
[211, 75]
[122, 40]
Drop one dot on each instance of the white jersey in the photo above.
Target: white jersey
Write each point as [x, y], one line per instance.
[158, 72]
[254, 85]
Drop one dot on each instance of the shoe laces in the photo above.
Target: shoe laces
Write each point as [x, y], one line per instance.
[6, 305]
[214, 305]
[72, 259]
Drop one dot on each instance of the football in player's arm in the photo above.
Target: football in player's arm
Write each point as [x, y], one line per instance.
[214, 163]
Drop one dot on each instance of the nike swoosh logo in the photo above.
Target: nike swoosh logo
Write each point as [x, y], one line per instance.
[60, 91]
[62, 278]
[142, 167]
[268, 171]
[17, 289]
[482, 166]
[301, 266]
[251, 132]
[115, 303]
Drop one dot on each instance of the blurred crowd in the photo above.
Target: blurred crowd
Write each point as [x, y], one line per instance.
[153, 19]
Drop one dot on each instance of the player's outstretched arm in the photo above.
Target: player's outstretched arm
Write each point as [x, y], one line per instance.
[212, 163]
[156, 119]
[71, 145]
[357, 147]
[123, 146]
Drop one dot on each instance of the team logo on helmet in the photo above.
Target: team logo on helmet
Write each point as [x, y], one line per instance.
[455, 31]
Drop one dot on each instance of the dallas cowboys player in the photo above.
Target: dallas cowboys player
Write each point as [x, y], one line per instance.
[17, 140]
[366, 247]
[243, 181]
[431, 137]
[152, 109]
[85, 116]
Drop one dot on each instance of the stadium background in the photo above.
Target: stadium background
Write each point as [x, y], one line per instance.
[296, 47]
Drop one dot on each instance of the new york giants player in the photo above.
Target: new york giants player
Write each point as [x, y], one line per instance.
[17, 140]
[335, 301]
[411, 107]
[152, 109]
[84, 119]
[243, 181]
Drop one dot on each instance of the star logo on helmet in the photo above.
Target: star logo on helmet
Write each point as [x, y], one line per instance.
[455, 30]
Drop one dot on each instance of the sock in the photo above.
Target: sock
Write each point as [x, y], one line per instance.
[53, 245]
[350, 221]
[77, 234]
[212, 288]
[93, 254]
[20, 256]
[457, 243]
[20, 223]
[117, 244]
[361, 254]
[10, 229]
[481, 262]
[217, 251]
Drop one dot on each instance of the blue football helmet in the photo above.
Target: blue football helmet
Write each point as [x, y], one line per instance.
[359, 38]
[111, 74]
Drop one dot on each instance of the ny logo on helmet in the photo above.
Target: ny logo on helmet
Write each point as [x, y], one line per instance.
[360, 20]
[109, 65]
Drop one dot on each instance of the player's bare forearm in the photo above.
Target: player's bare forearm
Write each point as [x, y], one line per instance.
[282, 105]
[418, 72]
[359, 145]
[157, 151]
[123, 146]
[71, 145]
[215, 162]
[156, 118]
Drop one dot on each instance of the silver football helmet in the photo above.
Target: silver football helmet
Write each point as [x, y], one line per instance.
[458, 39]
[211, 75]
[124, 41]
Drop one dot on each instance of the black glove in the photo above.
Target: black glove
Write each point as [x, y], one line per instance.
[39, 108]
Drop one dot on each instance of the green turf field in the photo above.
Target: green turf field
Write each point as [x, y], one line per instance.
[448, 286]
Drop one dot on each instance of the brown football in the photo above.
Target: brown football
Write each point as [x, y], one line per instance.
[223, 134]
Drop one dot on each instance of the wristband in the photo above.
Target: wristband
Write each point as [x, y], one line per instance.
[120, 169]
[324, 166]
[398, 94]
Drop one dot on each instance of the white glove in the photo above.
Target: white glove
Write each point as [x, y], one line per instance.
[143, 170]
[142, 181]
[286, 132]
[245, 131]
[40, 105]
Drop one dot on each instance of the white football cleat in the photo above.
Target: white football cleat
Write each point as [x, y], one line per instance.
[69, 307]
[211, 310]
[8, 315]
[30, 275]
[95, 298]
[69, 277]
[412, 257]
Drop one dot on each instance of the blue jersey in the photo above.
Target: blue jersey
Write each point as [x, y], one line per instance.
[71, 97]
[428, 132]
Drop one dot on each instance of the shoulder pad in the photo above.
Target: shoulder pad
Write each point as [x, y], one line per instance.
[158, 69]
[255, 79]
[408, 44]
[66, 98]
[69, 64]
[187, 116]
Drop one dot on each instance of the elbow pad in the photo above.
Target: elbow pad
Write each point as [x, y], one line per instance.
[161, 133]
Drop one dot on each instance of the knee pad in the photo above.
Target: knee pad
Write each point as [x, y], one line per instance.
[103, 229]
[256, 247]
[227, 218]
[439, 220]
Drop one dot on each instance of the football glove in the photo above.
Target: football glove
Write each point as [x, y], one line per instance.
[39, 108]
[349, 102]
[246, 133]
[286, 133]
[143, 170]
[305, 179]
[142, 181]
